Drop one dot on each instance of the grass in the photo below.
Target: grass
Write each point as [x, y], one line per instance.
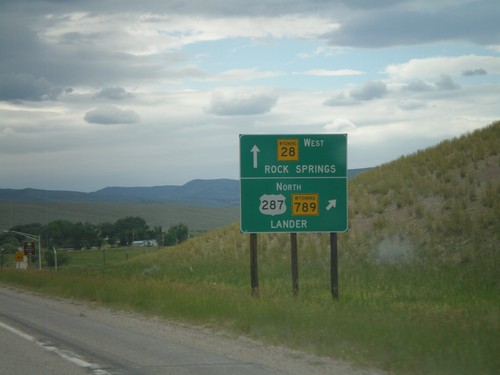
[418, 271]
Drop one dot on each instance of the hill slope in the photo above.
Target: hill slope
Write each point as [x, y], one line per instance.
[441, 203]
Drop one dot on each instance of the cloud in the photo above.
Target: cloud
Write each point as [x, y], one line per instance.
[245, 75]
[109, 115]
[242, 102]
[340, 125]
[446, 83]
[435, 66]
[419, 86]
[409, 23]
[333, 73]
[340, 100]
[474, 72]
[410, 105]
[26, 87]
[370, 90]
[113, 93]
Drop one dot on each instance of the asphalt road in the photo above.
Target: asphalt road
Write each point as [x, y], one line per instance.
[20, 355]
[47, 336]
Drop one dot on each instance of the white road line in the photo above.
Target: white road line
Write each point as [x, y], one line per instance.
[67, 355]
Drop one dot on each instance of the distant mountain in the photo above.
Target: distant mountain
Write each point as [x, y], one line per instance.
[208, 193]
[220, 192]
[211, 193]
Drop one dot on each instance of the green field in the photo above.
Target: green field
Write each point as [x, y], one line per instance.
[418, 271]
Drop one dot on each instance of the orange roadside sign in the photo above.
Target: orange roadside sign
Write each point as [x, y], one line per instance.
[19, 256]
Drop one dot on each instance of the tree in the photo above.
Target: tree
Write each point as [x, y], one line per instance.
[176, 234]
[170, 238]
[62, 258]
[57, 233]
[33, 228]
[9, 242]
[130, 229]
[84, 236]
[181, 232]
[107, 232]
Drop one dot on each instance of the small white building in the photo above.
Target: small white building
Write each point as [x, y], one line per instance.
[145, 243]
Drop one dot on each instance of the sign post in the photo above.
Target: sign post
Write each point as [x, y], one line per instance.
[292, 183]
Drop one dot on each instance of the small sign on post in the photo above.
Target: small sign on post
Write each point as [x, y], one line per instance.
[21, 260]
[29, 247]
[19, 256]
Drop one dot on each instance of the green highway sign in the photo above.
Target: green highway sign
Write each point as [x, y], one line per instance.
[293, 183]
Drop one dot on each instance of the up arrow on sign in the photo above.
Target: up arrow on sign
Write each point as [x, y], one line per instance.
[255, 150]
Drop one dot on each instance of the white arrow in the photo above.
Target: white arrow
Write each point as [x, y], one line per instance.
[255, 150]
[331, 204]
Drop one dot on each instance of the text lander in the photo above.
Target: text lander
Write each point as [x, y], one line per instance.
[289, 224]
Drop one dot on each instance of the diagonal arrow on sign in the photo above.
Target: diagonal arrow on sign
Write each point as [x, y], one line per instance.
[332, 203]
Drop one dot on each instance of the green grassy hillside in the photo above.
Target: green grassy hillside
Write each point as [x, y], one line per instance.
[440, 205]
[418, 271]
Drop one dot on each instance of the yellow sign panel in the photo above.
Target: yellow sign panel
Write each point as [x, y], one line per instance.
[288, 149]
[20, 256]
[305, 204]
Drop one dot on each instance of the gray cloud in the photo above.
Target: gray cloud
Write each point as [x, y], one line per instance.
[242, 103]
[109, 115]
[446, 83]
[26, 87]
[340, 100]
[474, 72]
[370, 90]
[75, 57]
[72, 58]
[419, 86]
[474, 22]
[410, 105]
[114, 93]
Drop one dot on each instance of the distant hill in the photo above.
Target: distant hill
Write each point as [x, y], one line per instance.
[204, 193]
[212, 193]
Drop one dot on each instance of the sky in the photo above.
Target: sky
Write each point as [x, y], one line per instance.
[97, 93]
